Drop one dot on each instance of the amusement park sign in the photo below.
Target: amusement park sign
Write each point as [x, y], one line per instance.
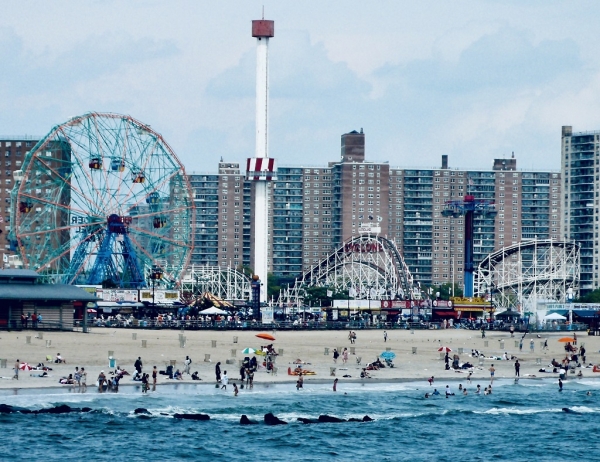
[369, 247]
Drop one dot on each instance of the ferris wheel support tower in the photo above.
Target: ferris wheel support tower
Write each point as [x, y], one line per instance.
[261, 168]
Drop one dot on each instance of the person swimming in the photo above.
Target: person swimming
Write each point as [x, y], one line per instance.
[478, 391]
[435, 392]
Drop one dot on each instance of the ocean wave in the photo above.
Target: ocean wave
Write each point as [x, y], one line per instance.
[509, 411]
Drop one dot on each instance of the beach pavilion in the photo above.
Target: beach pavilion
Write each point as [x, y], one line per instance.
[22, 293]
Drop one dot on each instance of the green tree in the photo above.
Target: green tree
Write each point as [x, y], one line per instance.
[592, 297]
[273, 287]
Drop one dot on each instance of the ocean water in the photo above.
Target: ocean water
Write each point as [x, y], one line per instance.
[524, 421]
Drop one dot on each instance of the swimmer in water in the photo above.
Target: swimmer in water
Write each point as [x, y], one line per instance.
[426, 395]
[465, 392]
[435, 392]
[589, 393]
[478, 391]
[560, 385]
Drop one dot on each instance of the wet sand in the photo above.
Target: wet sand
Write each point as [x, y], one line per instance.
[91, 351]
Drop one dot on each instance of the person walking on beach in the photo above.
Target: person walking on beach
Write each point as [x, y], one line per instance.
[138, 365]
[430, 380]
[350, 336]
[531, 345]
[384, 336]
[517, 368]
[16, 370]
[186, 365]
[299, 382]
[154, 375]
[482, 331]
[336, 355]
[218, 371]
[335, 384]
[224, 381]
[492, 371]
[345, 356]
[545, 347]
[521, 344]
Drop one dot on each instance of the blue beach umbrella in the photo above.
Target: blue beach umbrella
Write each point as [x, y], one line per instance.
[388, 355]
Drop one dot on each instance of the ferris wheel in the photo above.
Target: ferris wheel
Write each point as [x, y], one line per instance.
[103, 199]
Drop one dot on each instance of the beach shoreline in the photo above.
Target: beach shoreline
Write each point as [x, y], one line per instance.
[162, 346]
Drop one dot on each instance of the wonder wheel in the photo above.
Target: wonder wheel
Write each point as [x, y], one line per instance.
[103, 199]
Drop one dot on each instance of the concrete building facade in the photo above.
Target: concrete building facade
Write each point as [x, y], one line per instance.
[580, 165]
[314, 210]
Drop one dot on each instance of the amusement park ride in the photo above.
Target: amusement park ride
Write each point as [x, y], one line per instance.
[103, 199]
[469, 207]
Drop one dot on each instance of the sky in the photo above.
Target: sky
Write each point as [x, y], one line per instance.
[474, 79]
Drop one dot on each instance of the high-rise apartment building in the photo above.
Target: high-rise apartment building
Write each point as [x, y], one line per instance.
[12, 153]
[580, 165]
[314, 210]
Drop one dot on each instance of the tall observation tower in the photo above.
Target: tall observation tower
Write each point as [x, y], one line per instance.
[261, 168]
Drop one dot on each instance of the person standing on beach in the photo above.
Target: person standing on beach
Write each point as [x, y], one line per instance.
[492, 371]
[138, 365]
[517, 368]
[235, 390]
[16, 369]
[335, 384]
[350, 336]
[430, 380]
[83, 378]
[154, 375]
[521, 344]
[482, 331]
[560, 385]
[335, 355]
[384, 336]
[186, 364]
[218, 371]
[345, 356]
[101, 381]
[224, 381]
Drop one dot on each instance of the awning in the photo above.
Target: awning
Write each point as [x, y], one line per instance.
[119, 304]
[585, 313]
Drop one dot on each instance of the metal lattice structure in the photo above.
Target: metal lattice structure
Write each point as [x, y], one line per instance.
[103, 198]
[226, 283]
[520, 275]
[367, 266]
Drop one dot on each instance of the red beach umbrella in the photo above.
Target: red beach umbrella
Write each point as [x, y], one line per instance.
[445, 349]
[266, 336]
[25, 367]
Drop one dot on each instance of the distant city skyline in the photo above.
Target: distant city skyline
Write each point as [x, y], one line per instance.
[475, 80]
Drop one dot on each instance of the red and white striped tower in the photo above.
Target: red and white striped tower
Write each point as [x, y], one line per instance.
[261, 168]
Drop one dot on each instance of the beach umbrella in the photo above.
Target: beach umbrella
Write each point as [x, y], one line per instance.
[388, 355]
[445, 349]
[566, 339]
[91, 310]
[248, 351]
[266, 336]
[25, 367]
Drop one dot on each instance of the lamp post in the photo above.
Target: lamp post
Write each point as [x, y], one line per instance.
[156, 274]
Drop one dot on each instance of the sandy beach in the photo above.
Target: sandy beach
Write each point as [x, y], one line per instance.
[91, 351]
